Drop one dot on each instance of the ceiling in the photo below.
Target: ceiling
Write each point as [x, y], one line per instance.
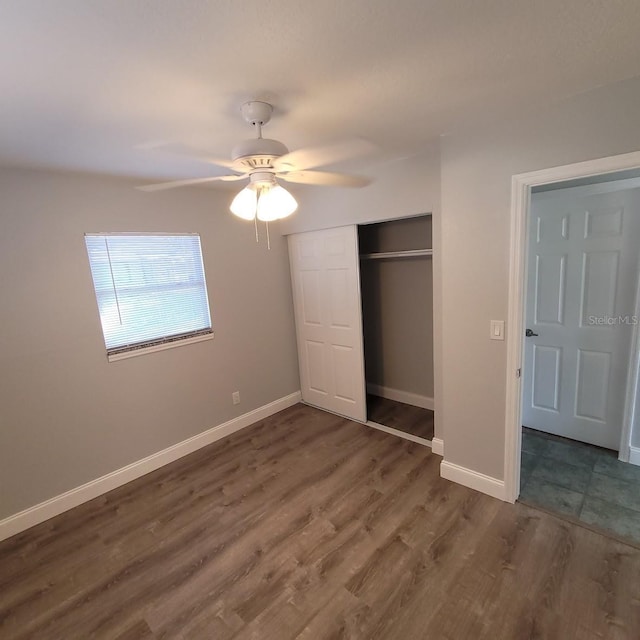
[90, 85]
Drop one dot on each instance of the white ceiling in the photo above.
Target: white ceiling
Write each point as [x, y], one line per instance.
[84, 82]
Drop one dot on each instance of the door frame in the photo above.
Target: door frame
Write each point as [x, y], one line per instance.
[521, 185]
[633, 382]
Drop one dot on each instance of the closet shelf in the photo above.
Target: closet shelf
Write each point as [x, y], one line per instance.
[387, 255]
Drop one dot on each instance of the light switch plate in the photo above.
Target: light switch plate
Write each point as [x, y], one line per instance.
[497, 330]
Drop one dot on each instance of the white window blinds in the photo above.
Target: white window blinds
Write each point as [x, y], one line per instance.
[150, 289]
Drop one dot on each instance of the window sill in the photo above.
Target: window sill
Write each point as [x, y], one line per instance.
[158, 347]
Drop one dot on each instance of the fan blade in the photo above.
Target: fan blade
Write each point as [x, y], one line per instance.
[185, 183]
[325, 178]
[320, 156]
[179, 149]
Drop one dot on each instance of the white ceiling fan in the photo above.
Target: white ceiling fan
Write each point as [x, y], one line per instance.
[263, 161]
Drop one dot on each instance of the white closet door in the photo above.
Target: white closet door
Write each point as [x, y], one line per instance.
[326, 293]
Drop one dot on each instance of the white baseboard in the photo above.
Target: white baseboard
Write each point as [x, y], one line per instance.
[65, 501]
[437, 446]
[400, 396]
[634, 455]
[474, 480]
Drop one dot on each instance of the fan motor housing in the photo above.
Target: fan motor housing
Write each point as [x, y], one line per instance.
[258, 153]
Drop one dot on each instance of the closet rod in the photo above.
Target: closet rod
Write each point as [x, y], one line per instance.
[384, 255]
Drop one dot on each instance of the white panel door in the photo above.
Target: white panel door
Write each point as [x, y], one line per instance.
[583, 263]
[326, 294]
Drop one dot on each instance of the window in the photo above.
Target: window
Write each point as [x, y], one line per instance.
[150, 290]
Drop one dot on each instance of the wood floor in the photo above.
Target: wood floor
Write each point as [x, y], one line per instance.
[401, 416]
[309, 526]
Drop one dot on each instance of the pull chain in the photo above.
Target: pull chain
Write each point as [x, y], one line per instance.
[268, 241]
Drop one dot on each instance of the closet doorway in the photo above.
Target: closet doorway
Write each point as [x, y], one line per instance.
[396, 281]
[363, 303]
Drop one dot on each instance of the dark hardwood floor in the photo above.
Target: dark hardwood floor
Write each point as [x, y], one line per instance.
[401, 416]
[307, 525]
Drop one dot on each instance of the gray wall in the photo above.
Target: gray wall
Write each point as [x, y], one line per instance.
[397, 305]
[405, 187]
[476, 193]
[397, 302]
[68, 416]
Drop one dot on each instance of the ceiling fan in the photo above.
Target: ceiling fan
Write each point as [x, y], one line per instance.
[264, 161]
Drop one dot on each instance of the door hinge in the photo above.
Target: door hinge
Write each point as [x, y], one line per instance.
[518, 373]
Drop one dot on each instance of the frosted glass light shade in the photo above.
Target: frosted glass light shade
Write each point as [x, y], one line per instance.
[275, 203]
[245, 203]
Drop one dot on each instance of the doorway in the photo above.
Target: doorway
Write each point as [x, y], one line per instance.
[575, 241]
[582, 270]
[396, 276]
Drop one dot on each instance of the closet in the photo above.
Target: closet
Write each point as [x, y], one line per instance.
[396, 276]
[363, 309]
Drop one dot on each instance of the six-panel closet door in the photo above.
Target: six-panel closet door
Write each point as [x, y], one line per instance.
[326, 296]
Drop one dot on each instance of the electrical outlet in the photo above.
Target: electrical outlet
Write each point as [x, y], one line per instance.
[235, 396]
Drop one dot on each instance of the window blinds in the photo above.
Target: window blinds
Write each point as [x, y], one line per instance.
[150, 289]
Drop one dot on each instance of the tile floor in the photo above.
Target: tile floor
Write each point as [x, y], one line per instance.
[581, 481]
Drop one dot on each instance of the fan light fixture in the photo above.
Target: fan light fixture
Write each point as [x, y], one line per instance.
[263, 198]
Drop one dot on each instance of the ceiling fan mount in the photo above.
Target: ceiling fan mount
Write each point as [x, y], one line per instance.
[256, 112]
[257, 153]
